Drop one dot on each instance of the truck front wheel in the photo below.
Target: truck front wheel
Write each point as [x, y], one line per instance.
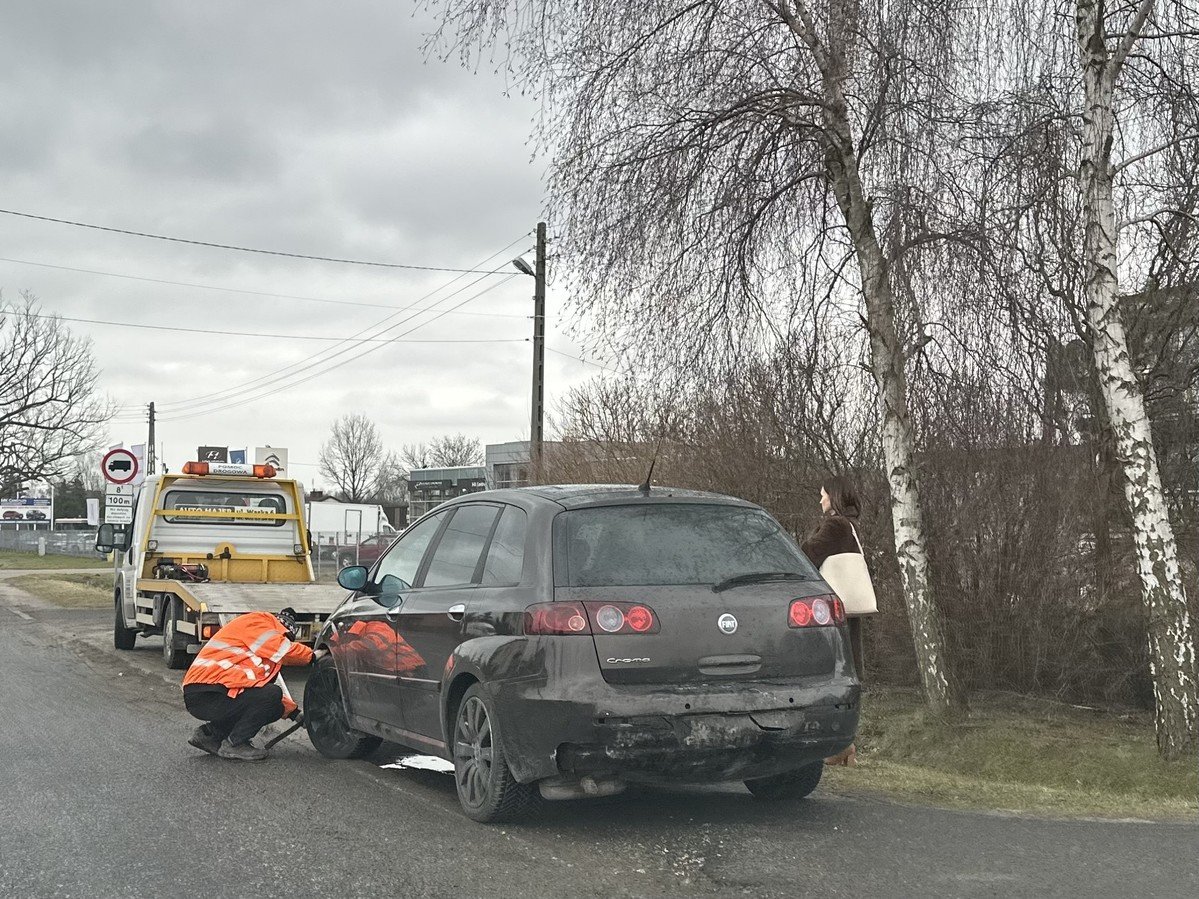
[122, 637]
[174, 644]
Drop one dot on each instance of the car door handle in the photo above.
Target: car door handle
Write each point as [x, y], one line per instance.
[456, 611]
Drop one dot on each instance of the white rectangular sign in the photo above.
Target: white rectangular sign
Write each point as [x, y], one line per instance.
[118, 504]
[118, 495]
[118, 515]
[276, 457]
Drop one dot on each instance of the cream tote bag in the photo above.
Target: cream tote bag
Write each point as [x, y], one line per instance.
[849, 577]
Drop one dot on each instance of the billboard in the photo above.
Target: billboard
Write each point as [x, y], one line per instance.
[26, 509]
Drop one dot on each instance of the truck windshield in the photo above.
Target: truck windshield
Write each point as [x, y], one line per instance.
[664, 543]
[226, 500]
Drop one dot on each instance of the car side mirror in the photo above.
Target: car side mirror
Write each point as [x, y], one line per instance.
[353, 578]
[110, 537]
[390, 589]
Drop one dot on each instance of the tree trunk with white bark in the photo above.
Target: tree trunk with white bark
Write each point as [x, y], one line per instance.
[1171, 644]
[887, 361]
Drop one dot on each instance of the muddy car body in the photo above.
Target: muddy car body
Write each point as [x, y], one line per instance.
[598, 636]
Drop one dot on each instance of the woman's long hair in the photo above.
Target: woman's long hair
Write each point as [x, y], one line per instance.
[842, 497]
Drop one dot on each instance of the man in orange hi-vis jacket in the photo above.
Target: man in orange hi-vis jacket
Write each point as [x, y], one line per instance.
[231, 684]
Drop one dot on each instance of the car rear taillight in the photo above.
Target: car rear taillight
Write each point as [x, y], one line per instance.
[591, 617]
[623, 617]
[556, 618]
[816, 611]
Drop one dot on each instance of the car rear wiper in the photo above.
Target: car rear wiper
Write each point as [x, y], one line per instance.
[758, 577]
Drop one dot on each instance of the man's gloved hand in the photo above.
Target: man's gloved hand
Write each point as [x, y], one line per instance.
[319, 654]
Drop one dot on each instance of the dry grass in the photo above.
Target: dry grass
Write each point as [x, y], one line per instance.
[15, 561]
[1022, 755]
[71, 591]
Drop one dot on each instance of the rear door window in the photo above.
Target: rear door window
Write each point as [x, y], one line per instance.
[506, 556]
[461, 546]
[663, 543]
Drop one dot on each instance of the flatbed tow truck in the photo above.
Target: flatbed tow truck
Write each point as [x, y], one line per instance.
[210, 543]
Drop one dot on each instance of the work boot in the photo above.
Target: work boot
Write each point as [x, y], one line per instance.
[246, 752]
[203, 739]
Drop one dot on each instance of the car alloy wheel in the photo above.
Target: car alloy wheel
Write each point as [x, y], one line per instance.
[487, 791]
[474, 752]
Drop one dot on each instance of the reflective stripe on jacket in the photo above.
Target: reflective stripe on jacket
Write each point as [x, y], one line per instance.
[247, 652]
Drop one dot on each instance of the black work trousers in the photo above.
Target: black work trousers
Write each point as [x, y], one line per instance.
[236, 719]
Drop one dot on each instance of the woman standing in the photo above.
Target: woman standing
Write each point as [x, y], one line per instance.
[836, 534]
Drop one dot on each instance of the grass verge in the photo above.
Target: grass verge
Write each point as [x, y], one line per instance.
[1021, 755]
[16, 561]
[71, 591]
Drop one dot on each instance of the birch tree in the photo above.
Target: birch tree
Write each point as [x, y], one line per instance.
[711, 163]
[1102, 57]
[1090, 115]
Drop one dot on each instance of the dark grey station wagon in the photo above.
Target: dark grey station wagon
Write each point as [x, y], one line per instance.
[559, 642]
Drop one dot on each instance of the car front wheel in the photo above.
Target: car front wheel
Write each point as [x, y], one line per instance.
[487, 790]
[789, 785]
[325, 717]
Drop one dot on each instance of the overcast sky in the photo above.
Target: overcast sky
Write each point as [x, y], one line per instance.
[303, 126]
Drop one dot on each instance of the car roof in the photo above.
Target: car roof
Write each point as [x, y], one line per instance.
[574, 496]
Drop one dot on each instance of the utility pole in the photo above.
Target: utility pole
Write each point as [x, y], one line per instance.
[150, 444]
[538, 413]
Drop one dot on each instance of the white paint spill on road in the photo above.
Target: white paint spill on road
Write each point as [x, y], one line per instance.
[20, 614]
[423, 763]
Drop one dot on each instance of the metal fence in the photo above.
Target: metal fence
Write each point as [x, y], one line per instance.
[56, 543]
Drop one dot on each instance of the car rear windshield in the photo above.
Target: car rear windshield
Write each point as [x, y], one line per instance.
[663, 543]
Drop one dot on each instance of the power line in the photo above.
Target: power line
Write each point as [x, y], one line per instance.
[297, 367]
[581, 359]
[254, 293]
[240, 249]
[252, 399]
[96, 321]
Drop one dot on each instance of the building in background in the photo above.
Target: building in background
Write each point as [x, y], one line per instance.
[430, 487]
[507, 464]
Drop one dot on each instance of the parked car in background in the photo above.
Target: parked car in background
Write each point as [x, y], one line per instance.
[365, 553]
[561, 642]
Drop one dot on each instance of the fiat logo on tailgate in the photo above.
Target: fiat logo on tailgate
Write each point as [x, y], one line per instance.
[727, 623]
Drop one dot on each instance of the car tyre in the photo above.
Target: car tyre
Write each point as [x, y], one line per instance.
[174, 644]
[789, 785]
[487, 791]
[325, 717]
[122, 637]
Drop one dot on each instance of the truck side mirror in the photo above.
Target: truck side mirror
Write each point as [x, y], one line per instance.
[110, 537]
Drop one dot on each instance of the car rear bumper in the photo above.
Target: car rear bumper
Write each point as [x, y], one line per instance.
[677, 734]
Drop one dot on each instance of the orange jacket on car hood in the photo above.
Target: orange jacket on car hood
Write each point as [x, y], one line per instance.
[247, 652]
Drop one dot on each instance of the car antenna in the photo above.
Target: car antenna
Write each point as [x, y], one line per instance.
[644, 488]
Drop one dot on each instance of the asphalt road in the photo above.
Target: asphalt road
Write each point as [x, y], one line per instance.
[101, 796]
